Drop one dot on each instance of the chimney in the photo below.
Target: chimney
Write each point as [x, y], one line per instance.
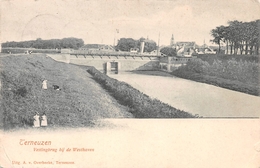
[142, 47]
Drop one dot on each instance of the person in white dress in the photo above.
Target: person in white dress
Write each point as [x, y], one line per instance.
[44, 84]
[36, 122]
[44, 120]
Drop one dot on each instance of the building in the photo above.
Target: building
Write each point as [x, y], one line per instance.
[154, 53]
[204, 50]
[185, 48]
[134, 50]
[169, 64]
[189, 48]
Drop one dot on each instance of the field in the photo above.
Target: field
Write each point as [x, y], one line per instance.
[78, 104]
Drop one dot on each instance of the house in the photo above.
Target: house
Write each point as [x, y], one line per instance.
[185, 49]
[170, 63]
[154, 53]
[204, 49]
[134, 50]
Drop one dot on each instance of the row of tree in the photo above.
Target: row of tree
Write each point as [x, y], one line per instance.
[238, 36]
[71, 42]
[125, 44]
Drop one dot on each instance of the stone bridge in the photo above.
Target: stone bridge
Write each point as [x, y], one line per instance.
[127, 62]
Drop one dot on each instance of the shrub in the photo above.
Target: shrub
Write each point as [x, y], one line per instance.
[197, 65]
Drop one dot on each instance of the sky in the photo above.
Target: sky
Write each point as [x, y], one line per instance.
[96, 21]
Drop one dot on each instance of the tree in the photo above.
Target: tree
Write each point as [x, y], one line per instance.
[71, 42]
[243, 36]
[149, 46]
[218, 34]
[125, 44]
[169, 51]
[38, 43]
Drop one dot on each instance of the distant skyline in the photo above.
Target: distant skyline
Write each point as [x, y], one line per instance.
[100, 21]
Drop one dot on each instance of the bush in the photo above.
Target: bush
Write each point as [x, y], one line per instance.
[197, 65]
[140, 105]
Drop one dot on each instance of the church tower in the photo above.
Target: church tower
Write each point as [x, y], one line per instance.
[172, 41]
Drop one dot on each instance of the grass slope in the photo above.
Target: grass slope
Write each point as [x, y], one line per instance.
[79, 102]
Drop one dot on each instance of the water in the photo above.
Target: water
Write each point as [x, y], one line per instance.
[194, 97]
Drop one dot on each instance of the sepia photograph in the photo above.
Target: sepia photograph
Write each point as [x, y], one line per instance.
[130, 83]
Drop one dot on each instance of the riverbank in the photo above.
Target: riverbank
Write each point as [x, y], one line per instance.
[78, 104]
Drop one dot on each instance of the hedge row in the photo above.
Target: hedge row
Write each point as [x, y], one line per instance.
[139, 104]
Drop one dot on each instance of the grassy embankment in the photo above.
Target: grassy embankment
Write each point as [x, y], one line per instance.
[240, 72]
[140, 105]
[79, 102]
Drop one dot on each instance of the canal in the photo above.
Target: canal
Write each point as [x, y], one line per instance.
[194, 97]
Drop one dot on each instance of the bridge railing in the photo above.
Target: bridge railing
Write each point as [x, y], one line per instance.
[109, 53]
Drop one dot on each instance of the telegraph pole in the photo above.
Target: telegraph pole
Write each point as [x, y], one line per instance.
[114, 38]
[204, 46]
[117, 31]
[158, 44]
